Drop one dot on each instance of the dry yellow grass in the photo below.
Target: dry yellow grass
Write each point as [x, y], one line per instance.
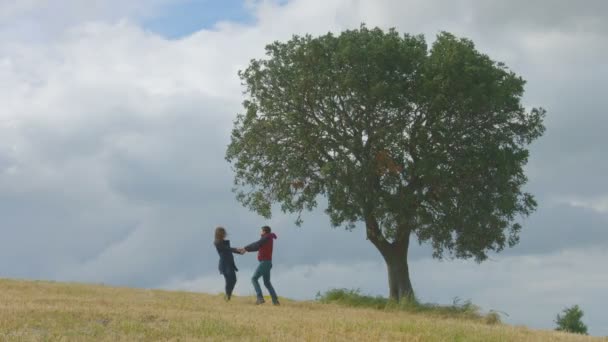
[47, 311]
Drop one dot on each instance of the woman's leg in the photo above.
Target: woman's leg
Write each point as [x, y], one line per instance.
[230, 277]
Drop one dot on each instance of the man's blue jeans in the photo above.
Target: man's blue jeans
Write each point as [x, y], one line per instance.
[263, 271]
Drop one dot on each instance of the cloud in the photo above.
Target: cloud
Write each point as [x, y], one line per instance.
[543, 15]
[41, 21]
[561, 226]
[64, 13]
[599, 204]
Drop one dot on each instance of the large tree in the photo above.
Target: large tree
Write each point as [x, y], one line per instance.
[406, 139]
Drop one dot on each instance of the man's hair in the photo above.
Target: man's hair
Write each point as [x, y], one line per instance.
[266, 229]
[220, 234]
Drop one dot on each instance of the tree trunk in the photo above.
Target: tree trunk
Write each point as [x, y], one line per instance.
[395, 256]
[399, 283]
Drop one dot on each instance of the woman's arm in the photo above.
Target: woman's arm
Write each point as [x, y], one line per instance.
[223, 248]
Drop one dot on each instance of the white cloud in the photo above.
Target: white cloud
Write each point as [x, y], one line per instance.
[598, 204]
[10, 8]
[41, 21]
[76, 11]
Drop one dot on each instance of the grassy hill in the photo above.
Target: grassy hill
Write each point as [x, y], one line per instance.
[47, 311]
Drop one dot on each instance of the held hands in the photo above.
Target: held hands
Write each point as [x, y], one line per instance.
[241, 251]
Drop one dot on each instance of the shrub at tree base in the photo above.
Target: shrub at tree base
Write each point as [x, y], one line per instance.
[458, 309]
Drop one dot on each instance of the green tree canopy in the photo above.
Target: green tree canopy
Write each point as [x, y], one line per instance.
[571, 321]
[406, 139]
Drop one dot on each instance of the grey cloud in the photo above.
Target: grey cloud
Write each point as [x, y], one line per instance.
[561, 226]
[187, 169]
[543, 15]
[47, 234]
[569, 159]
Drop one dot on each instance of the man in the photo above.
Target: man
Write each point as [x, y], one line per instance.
[264, 248]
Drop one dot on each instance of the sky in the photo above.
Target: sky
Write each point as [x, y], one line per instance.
[115, 116]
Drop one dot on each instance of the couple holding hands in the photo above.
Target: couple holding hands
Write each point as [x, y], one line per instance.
[227, 266]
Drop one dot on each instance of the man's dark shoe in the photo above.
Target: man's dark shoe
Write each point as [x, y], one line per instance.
[276, 303]
[227, 298]
[259, 301]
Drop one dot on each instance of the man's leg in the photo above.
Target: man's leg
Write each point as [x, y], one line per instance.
[256, 285]
[268, 284]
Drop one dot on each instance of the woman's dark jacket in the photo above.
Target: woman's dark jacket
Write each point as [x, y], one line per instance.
[226, 258]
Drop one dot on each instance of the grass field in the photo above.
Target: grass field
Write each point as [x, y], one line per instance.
[47, 311]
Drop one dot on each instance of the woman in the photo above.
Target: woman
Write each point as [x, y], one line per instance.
[227, 267]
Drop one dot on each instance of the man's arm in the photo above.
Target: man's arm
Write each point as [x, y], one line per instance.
[255, 246]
